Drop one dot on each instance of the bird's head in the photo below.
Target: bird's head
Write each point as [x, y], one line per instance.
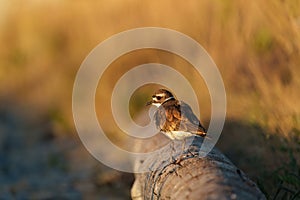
[160, 96]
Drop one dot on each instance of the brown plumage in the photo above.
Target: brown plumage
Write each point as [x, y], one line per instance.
[175, 118]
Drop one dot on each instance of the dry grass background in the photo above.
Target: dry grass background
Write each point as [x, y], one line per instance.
[255, 44]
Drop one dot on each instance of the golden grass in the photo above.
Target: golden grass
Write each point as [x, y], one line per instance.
[256, 46]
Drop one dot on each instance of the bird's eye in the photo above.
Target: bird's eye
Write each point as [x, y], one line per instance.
[158, 98]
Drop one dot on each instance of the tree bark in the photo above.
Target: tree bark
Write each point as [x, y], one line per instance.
[190, 177]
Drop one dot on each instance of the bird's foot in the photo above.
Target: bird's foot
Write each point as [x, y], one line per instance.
[181, 158]
[193, 151]
[172, 159]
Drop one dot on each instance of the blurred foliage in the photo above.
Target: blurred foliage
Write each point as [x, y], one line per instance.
[256, 46]
[287, 177]
[262, 41]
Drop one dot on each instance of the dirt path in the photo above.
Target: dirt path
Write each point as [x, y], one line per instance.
[36, 164]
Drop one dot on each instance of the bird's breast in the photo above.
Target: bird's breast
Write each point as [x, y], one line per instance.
[178, 135]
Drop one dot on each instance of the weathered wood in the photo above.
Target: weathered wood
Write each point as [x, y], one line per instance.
[210, 177]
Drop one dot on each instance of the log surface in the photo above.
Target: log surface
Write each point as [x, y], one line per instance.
[210, 177]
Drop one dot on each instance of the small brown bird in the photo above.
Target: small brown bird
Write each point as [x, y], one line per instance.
[175, 118]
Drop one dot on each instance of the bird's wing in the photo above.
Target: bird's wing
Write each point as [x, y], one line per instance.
[189, 121]
[159, 118]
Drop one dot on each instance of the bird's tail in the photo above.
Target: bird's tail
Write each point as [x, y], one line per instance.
[203, 134]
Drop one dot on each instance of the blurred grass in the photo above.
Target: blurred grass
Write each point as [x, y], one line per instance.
[255, 44]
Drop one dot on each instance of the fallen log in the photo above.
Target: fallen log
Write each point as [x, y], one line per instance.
[188, 176]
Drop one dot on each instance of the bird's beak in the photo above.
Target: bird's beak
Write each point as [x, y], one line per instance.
[149, 103]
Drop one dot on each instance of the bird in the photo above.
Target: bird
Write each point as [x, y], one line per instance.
[175, 118]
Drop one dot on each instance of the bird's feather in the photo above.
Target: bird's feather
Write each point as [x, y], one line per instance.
[176, 115]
